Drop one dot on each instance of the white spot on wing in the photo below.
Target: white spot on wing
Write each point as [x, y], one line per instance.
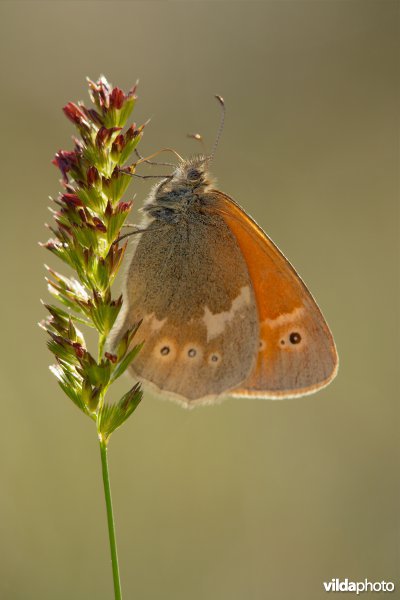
[285, 318]
[216, 323]
[153, 323]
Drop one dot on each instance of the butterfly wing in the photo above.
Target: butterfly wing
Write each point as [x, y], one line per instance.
[297, 354]
[189, 283]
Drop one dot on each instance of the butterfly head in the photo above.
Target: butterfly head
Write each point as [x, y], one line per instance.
[192, 174]
[185, 191]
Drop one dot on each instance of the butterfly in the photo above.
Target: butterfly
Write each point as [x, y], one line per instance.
[222, 310]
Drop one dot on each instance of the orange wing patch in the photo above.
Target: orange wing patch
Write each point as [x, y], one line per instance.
[297, 354]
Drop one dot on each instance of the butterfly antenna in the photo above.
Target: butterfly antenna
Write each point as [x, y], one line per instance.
[199, 138]
[220, 128]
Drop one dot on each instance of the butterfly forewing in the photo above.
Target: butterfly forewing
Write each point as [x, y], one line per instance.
[296, 353]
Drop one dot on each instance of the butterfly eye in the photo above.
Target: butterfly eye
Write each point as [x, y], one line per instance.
[193, 175]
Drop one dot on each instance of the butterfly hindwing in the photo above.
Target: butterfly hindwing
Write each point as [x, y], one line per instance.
[189, 283]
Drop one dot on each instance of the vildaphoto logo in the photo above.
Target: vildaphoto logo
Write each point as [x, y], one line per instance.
[345, 585]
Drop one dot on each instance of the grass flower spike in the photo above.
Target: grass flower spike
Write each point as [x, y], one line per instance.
[88, 219]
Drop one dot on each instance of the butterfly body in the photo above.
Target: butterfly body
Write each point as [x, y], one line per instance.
[207, 284]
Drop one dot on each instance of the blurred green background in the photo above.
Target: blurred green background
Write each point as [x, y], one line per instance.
[250, 499]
